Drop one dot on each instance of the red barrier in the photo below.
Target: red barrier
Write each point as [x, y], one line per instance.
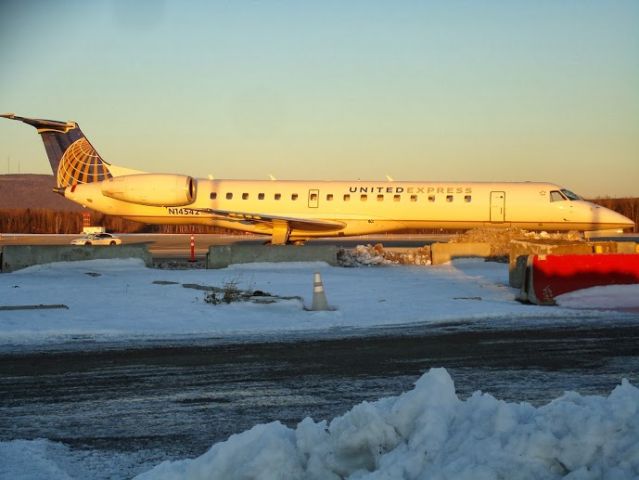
[551, 275]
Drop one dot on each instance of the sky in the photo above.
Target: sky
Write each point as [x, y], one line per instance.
[331, 90]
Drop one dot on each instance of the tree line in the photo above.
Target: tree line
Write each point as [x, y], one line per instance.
[42, 220]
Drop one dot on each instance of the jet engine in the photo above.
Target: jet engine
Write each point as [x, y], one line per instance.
[154, 189]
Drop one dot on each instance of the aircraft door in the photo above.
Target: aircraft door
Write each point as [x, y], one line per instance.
[497, 206]
[313, 198]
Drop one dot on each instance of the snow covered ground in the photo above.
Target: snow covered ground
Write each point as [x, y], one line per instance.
[425, 433]
[121, 300]
[620, 297]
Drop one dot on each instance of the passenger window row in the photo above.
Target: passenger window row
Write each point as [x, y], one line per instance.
[346, 198]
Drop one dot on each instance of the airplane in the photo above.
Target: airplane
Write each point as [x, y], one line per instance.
[295, 211]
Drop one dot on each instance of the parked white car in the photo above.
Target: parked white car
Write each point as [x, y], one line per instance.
[97, 239]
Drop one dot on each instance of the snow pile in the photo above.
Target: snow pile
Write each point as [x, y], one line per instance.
[362, 255]
[430, 433]
[368, 255]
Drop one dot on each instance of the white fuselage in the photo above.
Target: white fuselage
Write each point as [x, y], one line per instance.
[292, 210]
[360, 207]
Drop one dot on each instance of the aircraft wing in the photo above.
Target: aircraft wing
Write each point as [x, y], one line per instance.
[297, 223]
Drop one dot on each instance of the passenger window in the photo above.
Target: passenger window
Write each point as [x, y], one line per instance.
[431, 198]
[380, 198]
[556, 196]
[467, 198]
[449, 198]
[347, 198]
[313, 197]
[245, 196]
[363, 198]
[413, 198]
[277, 196]
[213, 195]
[260, 196]
[294, 196]
[397, 198]
[329, 197]
[229, 196]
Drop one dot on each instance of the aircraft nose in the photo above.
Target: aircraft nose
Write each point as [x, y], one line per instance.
[619, 220]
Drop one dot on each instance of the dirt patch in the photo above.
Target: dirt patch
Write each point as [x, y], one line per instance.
[500, 238]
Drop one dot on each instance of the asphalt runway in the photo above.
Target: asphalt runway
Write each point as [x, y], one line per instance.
[177, 246]
[174, 402]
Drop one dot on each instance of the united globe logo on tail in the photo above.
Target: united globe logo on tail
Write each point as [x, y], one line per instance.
[80, 163]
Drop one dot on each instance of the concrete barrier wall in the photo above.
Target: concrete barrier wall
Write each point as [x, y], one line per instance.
[221, 256]
[16, 257]
[627, 247]
[445, 252]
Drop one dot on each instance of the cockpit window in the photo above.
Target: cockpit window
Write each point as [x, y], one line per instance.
[556, 196]
[570, 195]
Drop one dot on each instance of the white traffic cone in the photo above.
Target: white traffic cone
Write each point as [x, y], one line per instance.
[319, 297]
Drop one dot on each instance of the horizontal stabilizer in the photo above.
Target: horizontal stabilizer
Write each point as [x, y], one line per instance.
[40, 123]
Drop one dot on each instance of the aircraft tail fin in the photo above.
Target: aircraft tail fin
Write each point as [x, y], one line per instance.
[73, 159]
